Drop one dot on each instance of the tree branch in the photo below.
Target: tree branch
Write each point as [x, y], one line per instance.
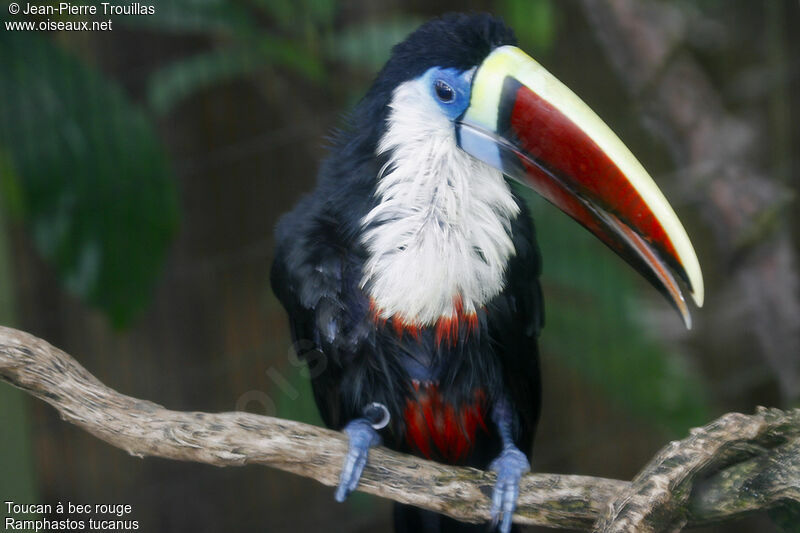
[561, 501]
[658, 498]
[759, 483]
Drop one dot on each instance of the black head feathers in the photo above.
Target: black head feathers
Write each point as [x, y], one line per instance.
[454, 40]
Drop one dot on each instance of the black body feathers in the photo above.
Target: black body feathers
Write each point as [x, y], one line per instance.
[355, 358]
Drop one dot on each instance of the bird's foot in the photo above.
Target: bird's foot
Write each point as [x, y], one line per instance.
[362, 438]
[509, 466]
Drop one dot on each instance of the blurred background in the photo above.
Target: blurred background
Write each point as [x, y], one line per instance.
[142, 171]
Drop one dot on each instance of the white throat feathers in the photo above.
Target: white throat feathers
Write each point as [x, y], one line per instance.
[440, 237]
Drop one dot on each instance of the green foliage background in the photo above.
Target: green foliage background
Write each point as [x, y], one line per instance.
[85, 173]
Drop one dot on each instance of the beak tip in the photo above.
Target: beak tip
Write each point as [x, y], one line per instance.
[698, 294]
[697, 288]
[680, 305]
[698, 297]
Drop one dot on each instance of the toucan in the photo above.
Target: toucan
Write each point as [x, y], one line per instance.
[410, 274]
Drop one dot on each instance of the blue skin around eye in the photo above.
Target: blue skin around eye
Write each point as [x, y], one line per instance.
[460, 84]
[474, 143]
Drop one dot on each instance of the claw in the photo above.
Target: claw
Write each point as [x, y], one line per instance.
[362, 438]
[509, 466]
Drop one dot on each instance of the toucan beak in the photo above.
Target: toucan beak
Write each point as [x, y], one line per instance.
[525, 122]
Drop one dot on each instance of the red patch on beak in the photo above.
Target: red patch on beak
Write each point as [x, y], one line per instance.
[582, 170]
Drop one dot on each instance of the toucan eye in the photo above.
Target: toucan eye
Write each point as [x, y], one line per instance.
[444, 92]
